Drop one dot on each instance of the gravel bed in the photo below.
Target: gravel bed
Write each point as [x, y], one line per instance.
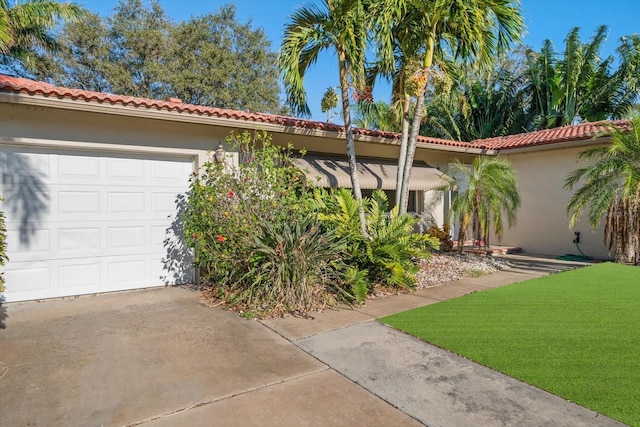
[442, 268]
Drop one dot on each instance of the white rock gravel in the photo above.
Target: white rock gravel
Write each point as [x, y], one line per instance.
[442, 268]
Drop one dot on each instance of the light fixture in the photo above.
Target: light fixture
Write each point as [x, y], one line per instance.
[219, 154]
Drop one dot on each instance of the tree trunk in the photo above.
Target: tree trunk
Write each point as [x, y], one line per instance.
[461, 234]
[351, 146]
[415, 126]
[406, 105]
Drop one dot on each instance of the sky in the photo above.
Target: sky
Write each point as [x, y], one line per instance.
[544, 19]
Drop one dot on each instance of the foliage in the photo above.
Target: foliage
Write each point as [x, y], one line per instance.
[227, 208]
[329, 102]
[25, 27]
[491, 189]
[3, 247]
[389, 255]
[610, 189]
[339, 26]
[256, 246]
[292, 267]
[580, 85]
[562, 333]
[422, 31]
[211, 60]
[443, 235]
[377, 115]
[482, 104]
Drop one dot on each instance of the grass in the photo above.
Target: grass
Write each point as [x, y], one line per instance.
[575, 334]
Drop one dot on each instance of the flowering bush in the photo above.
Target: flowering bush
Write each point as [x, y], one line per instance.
[233, 216]
[266, 244]
[226, 208]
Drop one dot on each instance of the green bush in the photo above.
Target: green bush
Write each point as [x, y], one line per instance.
[295, 269]
[390, 253]
[226, 208]
[256, 246]
[268, 245]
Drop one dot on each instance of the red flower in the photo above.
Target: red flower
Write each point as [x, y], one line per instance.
[195, 235]
[231, 193]
[221, 238]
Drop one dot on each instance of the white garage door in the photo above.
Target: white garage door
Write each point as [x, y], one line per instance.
[85, 222]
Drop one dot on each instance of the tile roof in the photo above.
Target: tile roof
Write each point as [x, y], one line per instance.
[31, 87]
[544, 137]
[579, 132]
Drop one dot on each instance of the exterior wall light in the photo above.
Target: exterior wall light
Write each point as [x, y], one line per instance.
[220, 154]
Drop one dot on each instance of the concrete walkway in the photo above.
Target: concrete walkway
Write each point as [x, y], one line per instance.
[431, 385]
[160, 358]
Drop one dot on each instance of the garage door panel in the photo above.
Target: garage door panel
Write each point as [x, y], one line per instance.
[37, 243]
[167, 171]
[92, 223]
[78, 239]
[33, 279]
[125, 169]
[126, 202]
[80, 278]
[78, 202]
[79, 169]
[127, 237]
[126, 272]
[24, 202]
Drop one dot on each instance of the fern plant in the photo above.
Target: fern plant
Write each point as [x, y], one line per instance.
[394, 247]
[390, 255]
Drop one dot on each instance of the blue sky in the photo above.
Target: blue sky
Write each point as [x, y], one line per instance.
[544, 19]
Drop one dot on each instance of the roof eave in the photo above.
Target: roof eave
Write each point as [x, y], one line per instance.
[92, 106]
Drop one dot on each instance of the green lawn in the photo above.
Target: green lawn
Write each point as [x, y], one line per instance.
[575, 334]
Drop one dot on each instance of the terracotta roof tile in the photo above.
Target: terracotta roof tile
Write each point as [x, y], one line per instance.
[579, 132]
[550, 136]
[22, 85]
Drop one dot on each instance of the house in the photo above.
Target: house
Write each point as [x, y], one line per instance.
[91, 182]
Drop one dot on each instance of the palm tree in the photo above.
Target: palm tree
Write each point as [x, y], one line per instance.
[481, 105]
[611, 190]
[580, 85]
[339, 25]
[25, 26]
[377, 115]
[471, 30]
[491, 190]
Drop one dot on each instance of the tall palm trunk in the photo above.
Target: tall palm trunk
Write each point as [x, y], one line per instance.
[351, 146]
[406, 105]
[415, 125]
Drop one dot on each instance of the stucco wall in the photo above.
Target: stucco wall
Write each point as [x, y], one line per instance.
[543, 225]
[36, 125]
[31, 125]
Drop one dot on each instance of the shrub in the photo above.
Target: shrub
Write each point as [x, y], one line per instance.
[256, 246]
[226, 208]
[267, 245]
[293, 268]
[443, 235]
[389, 255]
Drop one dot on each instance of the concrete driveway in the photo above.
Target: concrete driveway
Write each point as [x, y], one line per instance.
[158, 357]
